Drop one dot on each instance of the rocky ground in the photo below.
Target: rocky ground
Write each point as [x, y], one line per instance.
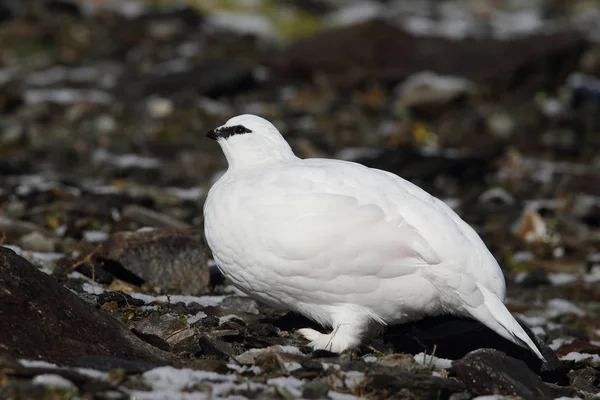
[107, 289]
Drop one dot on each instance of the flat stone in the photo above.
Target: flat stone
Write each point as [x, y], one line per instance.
[487, 371]
[173, 259]
[165, 331]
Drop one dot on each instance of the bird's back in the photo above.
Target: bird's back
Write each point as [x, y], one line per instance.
[326, 186]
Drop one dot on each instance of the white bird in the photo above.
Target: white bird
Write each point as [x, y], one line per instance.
[348, 246]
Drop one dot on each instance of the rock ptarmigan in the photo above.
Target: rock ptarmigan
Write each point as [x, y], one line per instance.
[348, 246]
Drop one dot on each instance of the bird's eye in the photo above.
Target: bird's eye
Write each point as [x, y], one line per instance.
[239, 129]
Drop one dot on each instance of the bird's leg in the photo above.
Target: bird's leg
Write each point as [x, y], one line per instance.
[348, 330]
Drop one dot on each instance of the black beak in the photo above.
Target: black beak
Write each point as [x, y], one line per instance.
[212, 134]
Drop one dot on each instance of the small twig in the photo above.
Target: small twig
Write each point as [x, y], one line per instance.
[87, 258]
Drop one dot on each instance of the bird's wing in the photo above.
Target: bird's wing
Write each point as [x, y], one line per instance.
[311, 216]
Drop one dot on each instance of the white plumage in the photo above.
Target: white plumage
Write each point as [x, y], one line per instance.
[348, 246]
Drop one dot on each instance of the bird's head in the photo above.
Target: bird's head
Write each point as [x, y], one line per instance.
[248, 140]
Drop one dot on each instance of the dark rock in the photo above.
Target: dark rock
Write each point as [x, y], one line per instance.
[325, 354]
[316, 389]
[215, 348]
[413, 165]
[66, 265]
[393, 380]
[62, 7]
[173, 259]
[535, 278]
[263, 329]
[379, 50]
[487, 371]
[207, 323]
[447, 333]
[211, 365]
[233, 323]
[165, 331]
[55, 325]
[586, 379]
[103, 363]
[212, 79]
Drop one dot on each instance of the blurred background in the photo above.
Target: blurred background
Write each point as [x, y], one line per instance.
[490, 105]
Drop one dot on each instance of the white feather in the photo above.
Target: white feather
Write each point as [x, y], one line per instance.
[344, 244]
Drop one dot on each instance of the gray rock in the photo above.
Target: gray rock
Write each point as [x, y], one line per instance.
[173, 259]
[316, 389]
[586, 379]
[394, 380]
[35, 241]
[166, 331]
[55, 325]
[487, 371]
[404, 362]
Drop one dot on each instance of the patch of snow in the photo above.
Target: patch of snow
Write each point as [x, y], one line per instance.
[327, 365]
[92, 289]
[169, 378]
[558, 307]
[243, 23]
[562, 278]
[226, 318]
[490, 397]
[95, 236]
[191, 194]
[168, 395]
[195, 318]
[438, 363]
[53, 380]
[353, 378]
[146, 229]
[43, 260]
[533, 321]
[244, 368]
[204, 301]
[125, 161]
[226, 390]
[352, 13]
[66, 96]
[369, 359]
[558, 342]
[288, 382]
[593, 276]
[37, 364]
[538, 331]
[577, 357]
[92, 373]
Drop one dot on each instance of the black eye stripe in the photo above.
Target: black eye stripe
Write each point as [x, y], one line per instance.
[228, 131]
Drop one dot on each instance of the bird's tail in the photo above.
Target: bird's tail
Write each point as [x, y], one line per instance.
[494, 314]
